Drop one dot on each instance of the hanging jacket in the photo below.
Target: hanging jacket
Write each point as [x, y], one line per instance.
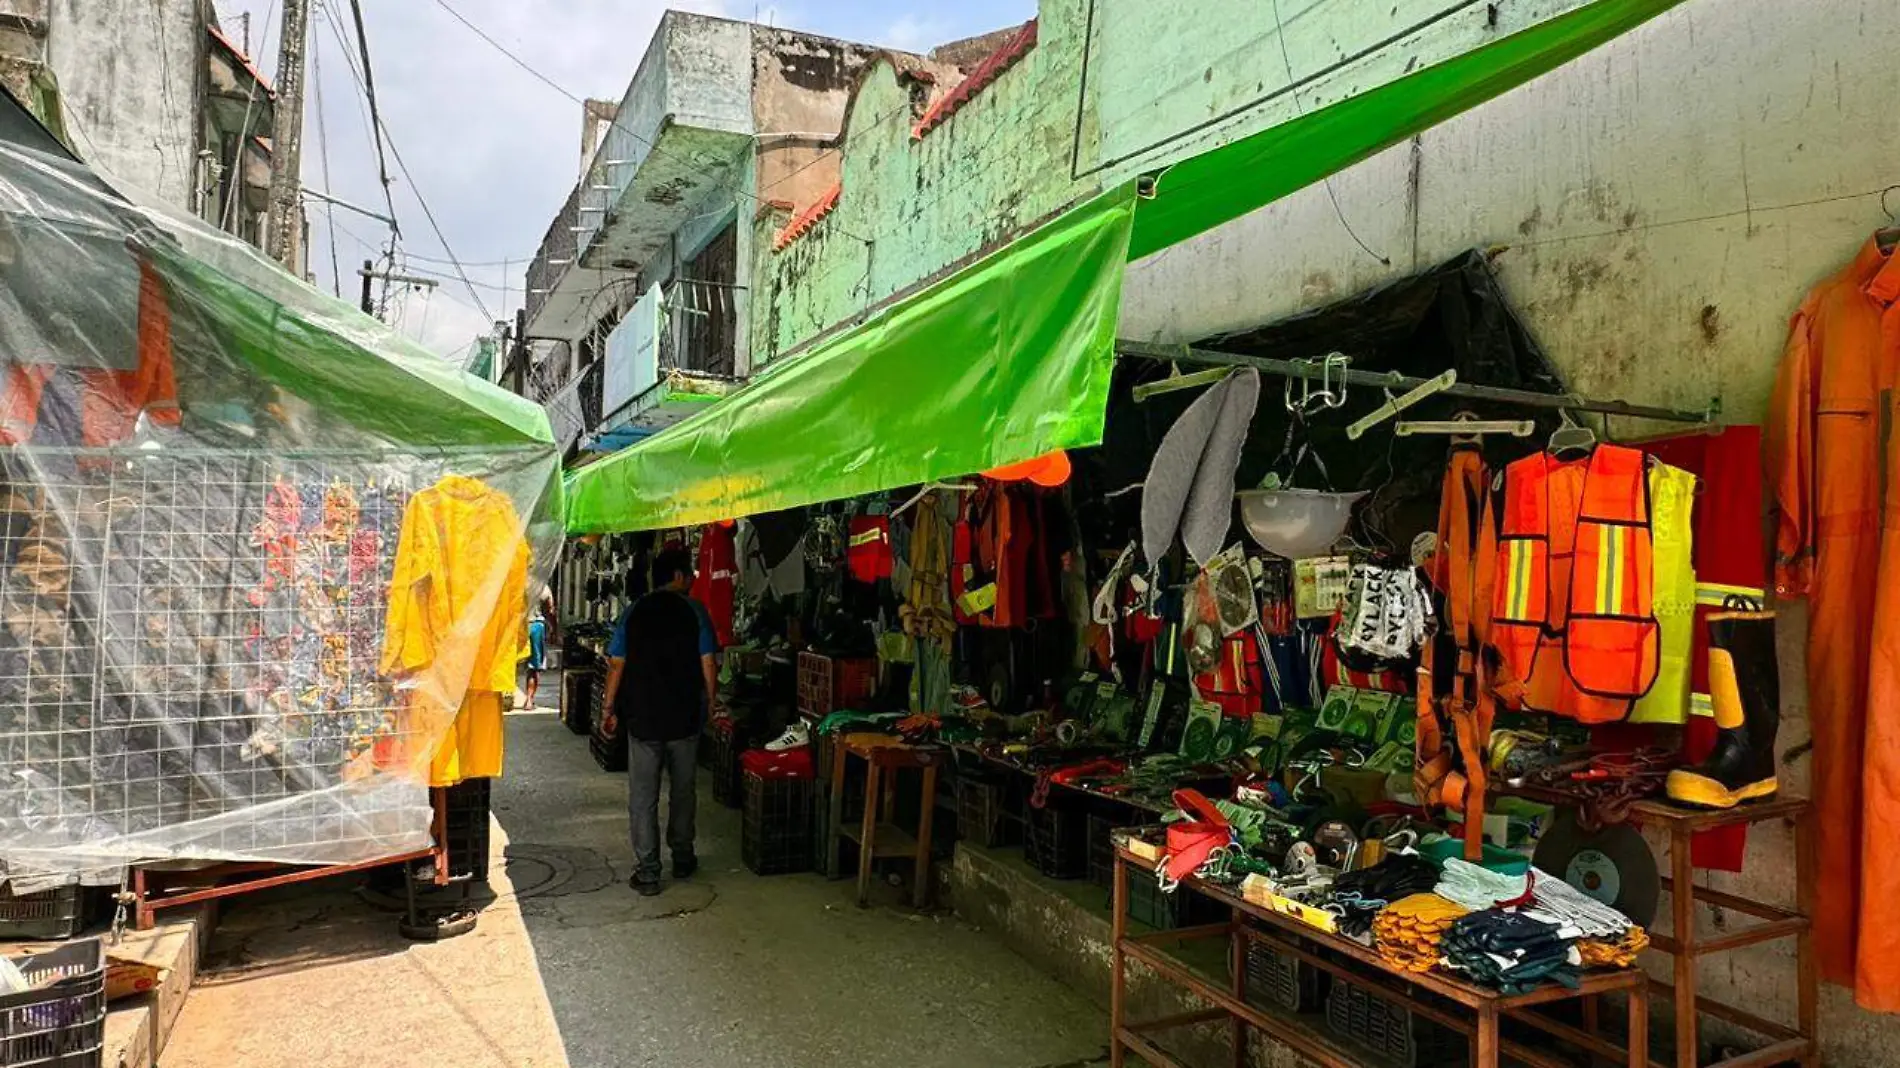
[867, 548]
[1837, 543]
[716, 579]
[1730, 556]
[1672, 505]
[1573, 619]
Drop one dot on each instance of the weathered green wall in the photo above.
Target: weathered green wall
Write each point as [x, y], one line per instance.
[1158, 86]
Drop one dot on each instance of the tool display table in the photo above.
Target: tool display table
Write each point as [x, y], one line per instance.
[1476, 1011]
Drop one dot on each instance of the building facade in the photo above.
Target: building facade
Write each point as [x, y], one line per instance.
[154, 94]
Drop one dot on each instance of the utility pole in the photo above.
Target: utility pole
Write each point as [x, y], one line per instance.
[286, 177]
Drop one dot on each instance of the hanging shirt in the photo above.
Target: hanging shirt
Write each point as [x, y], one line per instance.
[716, 583]
[1837, 543]
[457, 617]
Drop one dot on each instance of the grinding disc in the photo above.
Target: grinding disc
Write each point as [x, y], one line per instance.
[1613, 865]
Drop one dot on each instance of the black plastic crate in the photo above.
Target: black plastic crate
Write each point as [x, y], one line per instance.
[465, 828]
[985, 814]
[1276, 980]
[578, 690]
[609, 751]
[1102, 827]
[1389, 1031]
[1165, 912]
[62, 1025]
[46, 916]
[1055, 841]
[776, 833]
[728, 744]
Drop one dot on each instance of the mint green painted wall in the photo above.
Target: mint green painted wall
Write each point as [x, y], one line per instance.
[1162, 84]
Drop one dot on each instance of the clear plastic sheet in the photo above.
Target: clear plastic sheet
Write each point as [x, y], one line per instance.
[256, 549]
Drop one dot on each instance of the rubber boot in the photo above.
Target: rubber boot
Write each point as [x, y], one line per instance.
[1745, 685]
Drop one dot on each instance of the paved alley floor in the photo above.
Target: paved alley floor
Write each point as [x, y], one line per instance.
[732, 969]
[570, 967]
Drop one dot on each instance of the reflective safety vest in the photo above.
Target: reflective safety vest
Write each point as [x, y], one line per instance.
[1573, 620]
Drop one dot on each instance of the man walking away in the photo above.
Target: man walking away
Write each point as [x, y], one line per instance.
[661, 680]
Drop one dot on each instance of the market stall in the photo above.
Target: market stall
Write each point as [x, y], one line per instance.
[263, 565]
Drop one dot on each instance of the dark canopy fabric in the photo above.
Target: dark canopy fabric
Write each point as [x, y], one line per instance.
[1454, 316]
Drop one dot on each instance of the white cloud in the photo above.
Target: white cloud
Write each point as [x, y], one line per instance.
[917, 33]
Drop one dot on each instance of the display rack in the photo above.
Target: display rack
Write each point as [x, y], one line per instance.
[1465, 1007]
[189, 654]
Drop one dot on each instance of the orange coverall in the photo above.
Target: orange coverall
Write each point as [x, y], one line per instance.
[1831, 460]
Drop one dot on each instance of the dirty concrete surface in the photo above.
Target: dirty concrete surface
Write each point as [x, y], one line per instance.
[570, 967]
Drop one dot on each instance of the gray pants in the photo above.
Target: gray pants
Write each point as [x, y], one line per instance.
[645, 762]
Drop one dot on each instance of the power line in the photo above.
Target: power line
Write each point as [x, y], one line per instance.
[403, 167]
[244, 132]
[323, 153]
[369, 91]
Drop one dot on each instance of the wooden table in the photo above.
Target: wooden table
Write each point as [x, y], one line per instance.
[1785, 1045]
[1344, 958]
[880, 838]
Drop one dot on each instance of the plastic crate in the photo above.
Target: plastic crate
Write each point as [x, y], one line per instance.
[827, 684]
[578, 688]
[1278, 981]
[776, 833]
[62, 1025]
[1102, 826]
[1055, 841]
[465, 828]
[728, 743]
[985, 814]
[1165, 912]
[46, 916]
[610, 751]
[1389, 1031]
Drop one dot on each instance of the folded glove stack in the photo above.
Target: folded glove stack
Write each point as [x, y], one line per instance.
[1364, 892]
[1512, 951]
[1613, 952]
[1407, 934]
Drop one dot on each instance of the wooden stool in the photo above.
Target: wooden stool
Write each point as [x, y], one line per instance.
[884, 757]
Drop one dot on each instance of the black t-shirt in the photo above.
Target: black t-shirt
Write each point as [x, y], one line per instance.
[662, 694]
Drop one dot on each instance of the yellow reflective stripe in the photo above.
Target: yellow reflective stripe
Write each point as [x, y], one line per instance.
[867, 537]
[1713, 594]
[1518, 604]
[1606, 571]
[1701, 704]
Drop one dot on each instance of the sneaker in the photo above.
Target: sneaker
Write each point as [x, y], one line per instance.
[795, 735]
[645, 887]
[684, 867]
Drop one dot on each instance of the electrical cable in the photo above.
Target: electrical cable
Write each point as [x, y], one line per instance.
[1287, 56]
[402, 167]
[323, 153]
[369, 91]
[244, 132]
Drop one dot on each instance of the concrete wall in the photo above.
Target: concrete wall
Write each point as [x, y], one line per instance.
[130, 75]
[1044, 135]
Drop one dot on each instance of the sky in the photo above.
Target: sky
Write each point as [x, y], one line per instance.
[492, 150]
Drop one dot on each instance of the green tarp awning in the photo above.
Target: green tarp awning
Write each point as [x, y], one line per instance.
[1007, 359]
[1010, 357]
[1216, 187]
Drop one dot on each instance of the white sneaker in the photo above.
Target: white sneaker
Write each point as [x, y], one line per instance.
[795, 735]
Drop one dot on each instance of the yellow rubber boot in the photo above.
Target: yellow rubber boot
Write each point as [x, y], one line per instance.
[1745, 685]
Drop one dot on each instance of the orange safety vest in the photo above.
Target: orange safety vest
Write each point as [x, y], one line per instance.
[1573, 621]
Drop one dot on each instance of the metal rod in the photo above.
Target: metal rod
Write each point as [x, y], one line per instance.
[1393, 380]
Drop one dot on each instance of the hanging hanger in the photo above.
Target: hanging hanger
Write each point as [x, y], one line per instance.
[1888, 238]
[932, 487]
[1570, 437]
[1394, 405]
[1177, 381]
[1466, 428]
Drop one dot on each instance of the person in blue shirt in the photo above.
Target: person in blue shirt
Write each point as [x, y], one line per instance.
[662, 680]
